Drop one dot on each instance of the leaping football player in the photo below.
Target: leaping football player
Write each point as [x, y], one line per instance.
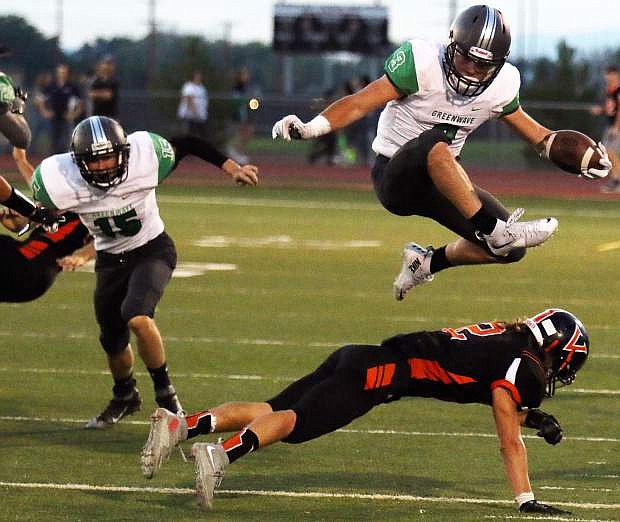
[434, 96]
[109, 180]
[509, 366]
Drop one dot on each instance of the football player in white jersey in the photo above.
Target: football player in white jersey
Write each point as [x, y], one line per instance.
[109, 180]
[434, 96]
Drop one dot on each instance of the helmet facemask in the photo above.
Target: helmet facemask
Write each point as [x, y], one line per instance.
[565, 340]
[104, 179]
[468, 85]
[96, 139]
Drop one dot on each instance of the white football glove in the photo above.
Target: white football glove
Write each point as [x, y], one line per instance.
[604, 162]
[291, 127]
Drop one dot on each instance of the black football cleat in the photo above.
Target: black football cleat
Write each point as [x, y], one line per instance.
[116, 409]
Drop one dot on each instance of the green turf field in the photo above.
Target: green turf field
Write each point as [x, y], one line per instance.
[312, 270]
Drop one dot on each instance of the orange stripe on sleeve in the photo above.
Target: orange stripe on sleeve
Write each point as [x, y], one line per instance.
[511, 388]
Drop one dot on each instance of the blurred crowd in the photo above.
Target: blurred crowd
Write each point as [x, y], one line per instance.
[59, 100]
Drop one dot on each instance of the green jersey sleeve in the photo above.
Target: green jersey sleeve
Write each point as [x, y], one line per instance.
[165, 156]
[39, 191]
[511, 107]
[7, 92]
[400, 69]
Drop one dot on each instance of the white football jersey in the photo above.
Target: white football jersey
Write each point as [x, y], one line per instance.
[122, 218]
[415, 69]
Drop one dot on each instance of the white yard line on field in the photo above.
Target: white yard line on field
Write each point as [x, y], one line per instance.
[234, 341]
[66, 420]
[370, 206]
[244, 377]
[293, 494]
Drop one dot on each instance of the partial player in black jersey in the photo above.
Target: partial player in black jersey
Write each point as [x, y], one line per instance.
[510, 366]
[29, 267]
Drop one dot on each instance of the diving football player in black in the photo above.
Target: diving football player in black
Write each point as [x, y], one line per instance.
[29, 267]
[509, 366]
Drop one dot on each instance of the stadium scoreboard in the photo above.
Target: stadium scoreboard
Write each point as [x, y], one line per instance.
[328, 28]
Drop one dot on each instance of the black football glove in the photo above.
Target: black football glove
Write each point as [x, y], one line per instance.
[547, 425]
[47, 218]
[533, 506]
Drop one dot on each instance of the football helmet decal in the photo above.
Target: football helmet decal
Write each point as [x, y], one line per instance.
[480, 34]
[100, 138]
[563, 336]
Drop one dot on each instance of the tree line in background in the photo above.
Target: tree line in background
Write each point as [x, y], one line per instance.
[569, 77]
[162, 62]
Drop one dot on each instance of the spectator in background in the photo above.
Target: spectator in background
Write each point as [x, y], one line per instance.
[103, 91]
[611, 135]
[194, 106]
[63, 103]
[242, 128]
[38, 122]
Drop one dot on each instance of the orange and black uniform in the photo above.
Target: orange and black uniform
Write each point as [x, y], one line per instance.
[459, 365]
[28, 268]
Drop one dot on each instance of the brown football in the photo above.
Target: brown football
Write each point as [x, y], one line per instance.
[572, 151]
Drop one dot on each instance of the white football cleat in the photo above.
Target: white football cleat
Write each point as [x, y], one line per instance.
[209, 462]
[510, 234]
[167, 430]
[416, 269]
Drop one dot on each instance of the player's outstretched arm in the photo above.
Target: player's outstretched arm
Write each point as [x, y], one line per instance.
[12, 198]
[508, 424]
[185, 145]
[514, 454]
[339, 114]
[570, 155]
[526, 127]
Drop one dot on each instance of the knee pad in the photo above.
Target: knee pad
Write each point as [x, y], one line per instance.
[114, 342]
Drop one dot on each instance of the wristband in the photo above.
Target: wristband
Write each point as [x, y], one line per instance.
[19, 203]
[522, 498]
[318, 126]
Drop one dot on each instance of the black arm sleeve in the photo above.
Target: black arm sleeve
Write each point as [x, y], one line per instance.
[184, 145]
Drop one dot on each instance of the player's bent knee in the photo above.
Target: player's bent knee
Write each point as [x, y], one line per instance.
[302, 430]
[139, 323]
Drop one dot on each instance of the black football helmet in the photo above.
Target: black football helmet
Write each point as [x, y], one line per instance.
[100, 137]
[564, 338]
[481, 34]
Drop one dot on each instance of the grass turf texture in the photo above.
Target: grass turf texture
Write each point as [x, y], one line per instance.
[244, 334]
